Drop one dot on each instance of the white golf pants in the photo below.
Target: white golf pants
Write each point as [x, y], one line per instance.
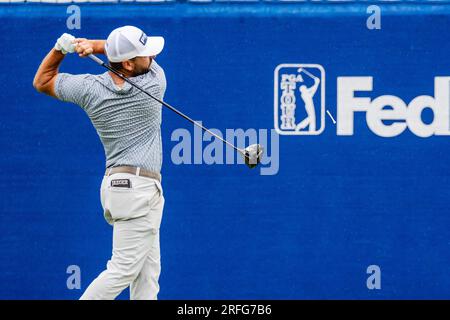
[133, 205]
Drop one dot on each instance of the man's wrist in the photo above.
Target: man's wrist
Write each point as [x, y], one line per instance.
[57, 47]
[58, 52]
[98, 46]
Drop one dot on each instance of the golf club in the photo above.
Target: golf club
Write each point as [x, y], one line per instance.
[306, 72]
[252, 154]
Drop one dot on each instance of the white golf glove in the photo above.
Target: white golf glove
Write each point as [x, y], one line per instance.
[64, 43]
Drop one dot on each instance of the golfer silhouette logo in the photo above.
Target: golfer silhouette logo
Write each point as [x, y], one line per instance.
[299, 99]
[307, 95]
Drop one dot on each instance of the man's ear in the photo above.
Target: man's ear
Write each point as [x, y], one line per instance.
[128, 65]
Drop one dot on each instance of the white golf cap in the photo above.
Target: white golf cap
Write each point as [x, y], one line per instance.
[129, 42]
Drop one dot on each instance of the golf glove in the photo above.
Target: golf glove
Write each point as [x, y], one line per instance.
[64, 43]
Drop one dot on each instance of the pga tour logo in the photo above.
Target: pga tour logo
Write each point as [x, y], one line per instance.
[299, 107]
[299, 99]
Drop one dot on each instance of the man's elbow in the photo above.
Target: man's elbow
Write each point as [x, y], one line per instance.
[43, 86]
[38, 84]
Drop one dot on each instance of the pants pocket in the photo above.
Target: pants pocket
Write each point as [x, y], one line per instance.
[124, 204]
[156, 211]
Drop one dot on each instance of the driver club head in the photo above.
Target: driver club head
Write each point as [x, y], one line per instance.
[252, 155]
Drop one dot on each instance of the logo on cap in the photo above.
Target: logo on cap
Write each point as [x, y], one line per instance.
[143, 39]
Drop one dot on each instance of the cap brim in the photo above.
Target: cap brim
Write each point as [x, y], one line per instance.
[153, 46]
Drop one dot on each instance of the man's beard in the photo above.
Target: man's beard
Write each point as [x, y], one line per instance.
[142, 71]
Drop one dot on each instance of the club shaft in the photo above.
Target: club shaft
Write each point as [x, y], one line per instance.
[308, 73]
[102, 63]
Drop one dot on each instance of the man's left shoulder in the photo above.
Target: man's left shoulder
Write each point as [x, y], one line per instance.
[155, 67]
[159, 73]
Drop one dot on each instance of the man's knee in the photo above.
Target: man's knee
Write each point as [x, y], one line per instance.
[126, 272]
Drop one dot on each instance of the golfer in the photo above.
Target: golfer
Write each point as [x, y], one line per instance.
[129, 125]
[307, 95]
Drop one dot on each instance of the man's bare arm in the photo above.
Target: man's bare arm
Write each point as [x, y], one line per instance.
[44, 80]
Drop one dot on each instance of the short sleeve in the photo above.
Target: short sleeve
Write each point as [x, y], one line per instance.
[72, 88]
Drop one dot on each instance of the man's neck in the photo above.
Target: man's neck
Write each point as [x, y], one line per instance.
[118, 80]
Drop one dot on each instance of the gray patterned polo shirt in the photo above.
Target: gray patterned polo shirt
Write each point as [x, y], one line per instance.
[127, 121]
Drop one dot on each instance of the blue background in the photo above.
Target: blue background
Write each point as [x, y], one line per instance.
[337, 205]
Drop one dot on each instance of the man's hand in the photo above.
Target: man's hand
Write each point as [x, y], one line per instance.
[84, 47]
[65, 44]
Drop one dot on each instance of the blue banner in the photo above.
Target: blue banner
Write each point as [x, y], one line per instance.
[351, 200]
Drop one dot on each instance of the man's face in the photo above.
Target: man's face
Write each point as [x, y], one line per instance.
[141, 65]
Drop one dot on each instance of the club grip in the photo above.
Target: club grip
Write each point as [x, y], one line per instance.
[98, 60]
